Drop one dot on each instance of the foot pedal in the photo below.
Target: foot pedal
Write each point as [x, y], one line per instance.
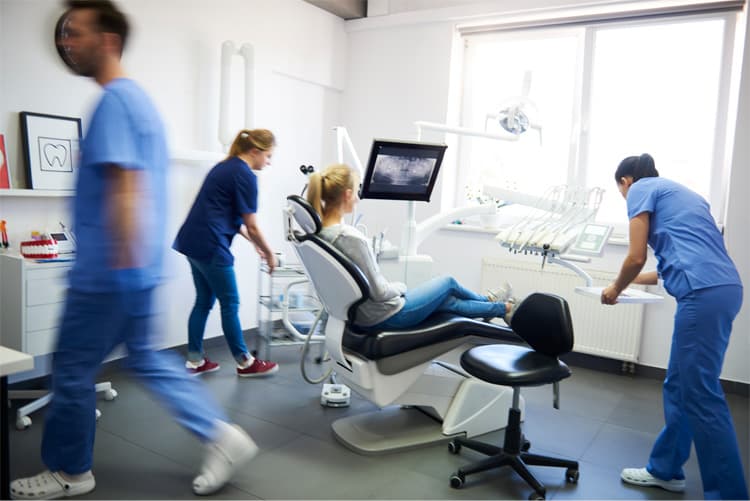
[335, 395]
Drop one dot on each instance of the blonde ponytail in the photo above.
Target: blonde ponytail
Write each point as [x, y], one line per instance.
[326, 189]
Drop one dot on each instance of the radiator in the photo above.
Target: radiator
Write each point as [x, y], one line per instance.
[606, 331]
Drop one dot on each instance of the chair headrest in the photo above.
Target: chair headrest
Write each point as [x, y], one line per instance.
[304, 214]
[543, 321]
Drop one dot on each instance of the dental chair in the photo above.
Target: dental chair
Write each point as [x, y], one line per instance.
[413, 375]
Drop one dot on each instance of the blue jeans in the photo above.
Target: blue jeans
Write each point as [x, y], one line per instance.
[695, 409]
[211, 282]
[93, 324]
[440, 294]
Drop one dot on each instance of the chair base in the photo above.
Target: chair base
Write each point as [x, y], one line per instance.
[42, 397]
[512, 454]
[388, 430]
[470, 409]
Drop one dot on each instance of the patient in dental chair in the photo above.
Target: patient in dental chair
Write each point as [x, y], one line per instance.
[391, 305]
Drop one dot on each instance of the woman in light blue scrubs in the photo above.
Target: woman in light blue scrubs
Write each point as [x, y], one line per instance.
[696, 269]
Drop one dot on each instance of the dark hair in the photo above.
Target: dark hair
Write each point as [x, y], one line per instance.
[109, 18]
[637, 168]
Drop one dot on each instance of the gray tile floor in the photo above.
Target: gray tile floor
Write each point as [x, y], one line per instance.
[606, 421]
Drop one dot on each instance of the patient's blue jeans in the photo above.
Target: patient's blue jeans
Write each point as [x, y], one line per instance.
[93, 324]
[695, 409]
[211, 282]
[441, 294]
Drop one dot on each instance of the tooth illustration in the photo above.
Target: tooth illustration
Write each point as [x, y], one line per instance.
[55, 154]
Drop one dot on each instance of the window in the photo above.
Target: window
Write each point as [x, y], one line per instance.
[600, 92]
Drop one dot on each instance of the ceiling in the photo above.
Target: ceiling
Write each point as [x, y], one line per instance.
[346, 9]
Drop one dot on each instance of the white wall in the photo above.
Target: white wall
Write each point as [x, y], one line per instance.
[174, 53]
[399, 68]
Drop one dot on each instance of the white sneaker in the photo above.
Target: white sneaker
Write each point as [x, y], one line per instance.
[224, 456]
[641, 476]
[501, 294]
[51, 485]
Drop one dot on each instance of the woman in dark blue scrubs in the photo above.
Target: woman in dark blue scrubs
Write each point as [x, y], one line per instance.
[696, 269]
[225, 206]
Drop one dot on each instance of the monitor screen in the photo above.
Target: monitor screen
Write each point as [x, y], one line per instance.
[402, 170]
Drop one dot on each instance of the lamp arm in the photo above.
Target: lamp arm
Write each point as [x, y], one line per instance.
[342, 139]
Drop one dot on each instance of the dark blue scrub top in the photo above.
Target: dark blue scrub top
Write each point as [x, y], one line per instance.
[687, 243]
[229, 191]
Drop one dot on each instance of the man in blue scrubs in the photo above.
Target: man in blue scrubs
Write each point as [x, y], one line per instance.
[698, 272]
[119, 214]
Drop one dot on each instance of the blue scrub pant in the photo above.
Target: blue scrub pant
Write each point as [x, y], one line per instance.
[694, 405]
[441, 294]
[211, 282]
[93, 324]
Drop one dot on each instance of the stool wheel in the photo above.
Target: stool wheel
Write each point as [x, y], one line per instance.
[454, 447]
[535, 495]
[23, 422]
[525, 445]
[457, 480]
[571, 475]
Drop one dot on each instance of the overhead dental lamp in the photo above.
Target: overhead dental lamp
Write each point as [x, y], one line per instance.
[518, 114]
[513, 120]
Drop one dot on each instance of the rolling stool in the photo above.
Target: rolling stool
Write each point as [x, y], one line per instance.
[543, 321]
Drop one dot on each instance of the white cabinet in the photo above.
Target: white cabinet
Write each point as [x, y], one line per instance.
[32, 297]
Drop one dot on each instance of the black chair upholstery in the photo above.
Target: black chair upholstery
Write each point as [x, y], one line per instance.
[543, 321]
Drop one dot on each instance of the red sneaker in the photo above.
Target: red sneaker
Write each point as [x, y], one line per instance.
[258, 368]
[201, 368]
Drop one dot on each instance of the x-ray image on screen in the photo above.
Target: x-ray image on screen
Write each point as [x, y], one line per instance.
[402, 171]
[410, 172]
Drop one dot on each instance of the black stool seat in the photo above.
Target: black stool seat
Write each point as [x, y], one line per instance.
[507, 365]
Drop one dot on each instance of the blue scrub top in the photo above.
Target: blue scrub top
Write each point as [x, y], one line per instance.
[125, 130]
[229, 191]
[687, 243]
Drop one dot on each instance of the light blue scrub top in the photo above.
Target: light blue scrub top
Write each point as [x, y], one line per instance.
[125, 130]
[688, 245]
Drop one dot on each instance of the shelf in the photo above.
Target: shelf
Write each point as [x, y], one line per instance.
[306, 303]
[36, 193]
[196, 157]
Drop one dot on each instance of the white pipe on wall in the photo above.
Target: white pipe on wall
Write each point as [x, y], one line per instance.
[225, 135]
[228, 51]
[248, 54]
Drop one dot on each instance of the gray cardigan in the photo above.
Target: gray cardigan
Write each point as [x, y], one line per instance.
[386, 298]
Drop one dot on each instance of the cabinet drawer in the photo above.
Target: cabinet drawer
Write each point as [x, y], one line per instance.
[47, 271]
[45, 290]
[43, 317]
[41, 342]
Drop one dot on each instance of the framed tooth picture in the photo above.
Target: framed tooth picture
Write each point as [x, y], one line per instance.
[51, 145]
